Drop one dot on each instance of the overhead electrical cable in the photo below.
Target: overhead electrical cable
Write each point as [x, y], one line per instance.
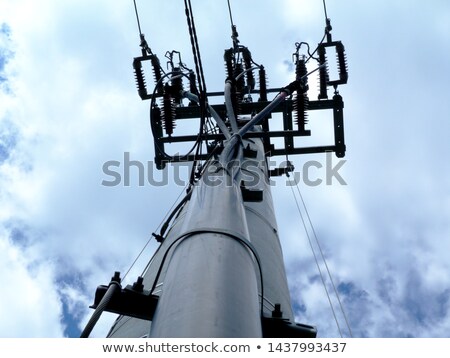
[324, 261]
[327, 30]
[230, 12]
[317, 263]
[201, 80]
[173, 209]
[325, 9]
[152, 236]
[195, 47]
[137, 17]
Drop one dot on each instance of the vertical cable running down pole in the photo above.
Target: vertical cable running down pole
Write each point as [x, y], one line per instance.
[151, 237]
[317, 264]
[325, 262]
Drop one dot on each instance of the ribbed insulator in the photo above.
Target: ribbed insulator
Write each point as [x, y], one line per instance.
[240, 83]
[157, 73]
[300, 72]
[237, 99]
[323, 73]
[248, 65]
[342, 63]
[156, 120]
[239, 89]
[228, 58]
[300, 68]
[192, 87]
[262, 84]
[301, 104]
[168, 113]
[177, 86]
[140, 79]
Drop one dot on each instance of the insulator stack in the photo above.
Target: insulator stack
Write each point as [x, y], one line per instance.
[342, 63]
[228, 58]
[262, 84]
[140, 79]
[301, 99]
[168, 113]
[301, 104]
[192, 87]
[248, 65]
[157, 73]
[177, 86]
[323, 73]
[240, 83]
[300, 72]
[236, 100]
[240, 88]
[156, 121]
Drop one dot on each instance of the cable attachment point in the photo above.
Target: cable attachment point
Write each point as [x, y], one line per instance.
[328, 29]
[138, 286]
[133, 301]
[276, 172]
[157, 237]
[116, 278]
[144, 46]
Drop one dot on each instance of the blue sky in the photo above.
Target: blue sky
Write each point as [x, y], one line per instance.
[68, 103]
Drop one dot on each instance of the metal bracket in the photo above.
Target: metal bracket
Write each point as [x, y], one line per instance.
[132, 301]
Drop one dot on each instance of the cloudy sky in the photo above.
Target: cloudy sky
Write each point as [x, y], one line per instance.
[68, 104]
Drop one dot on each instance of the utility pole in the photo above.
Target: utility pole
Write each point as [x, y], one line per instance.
[228, 253]
[219, 269]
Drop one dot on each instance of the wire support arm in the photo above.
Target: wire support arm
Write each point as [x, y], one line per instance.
[229, 106]
[213, 112]
[285, 92]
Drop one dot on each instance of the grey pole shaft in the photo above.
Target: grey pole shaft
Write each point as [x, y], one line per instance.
[210, 290]
[210, 287]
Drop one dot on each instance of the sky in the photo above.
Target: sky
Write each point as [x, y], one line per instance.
[68, 104]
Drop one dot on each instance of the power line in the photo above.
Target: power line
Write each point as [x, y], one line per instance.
[325, 262]
[317, 264]
[195, 47]
[148, 241]
[231, 14]
[325, 9]
[137, 17]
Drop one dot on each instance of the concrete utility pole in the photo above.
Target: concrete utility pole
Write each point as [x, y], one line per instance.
[219, 269]
[212, 285]
[224, 268]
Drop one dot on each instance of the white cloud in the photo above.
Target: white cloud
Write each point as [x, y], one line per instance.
[30, 304]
